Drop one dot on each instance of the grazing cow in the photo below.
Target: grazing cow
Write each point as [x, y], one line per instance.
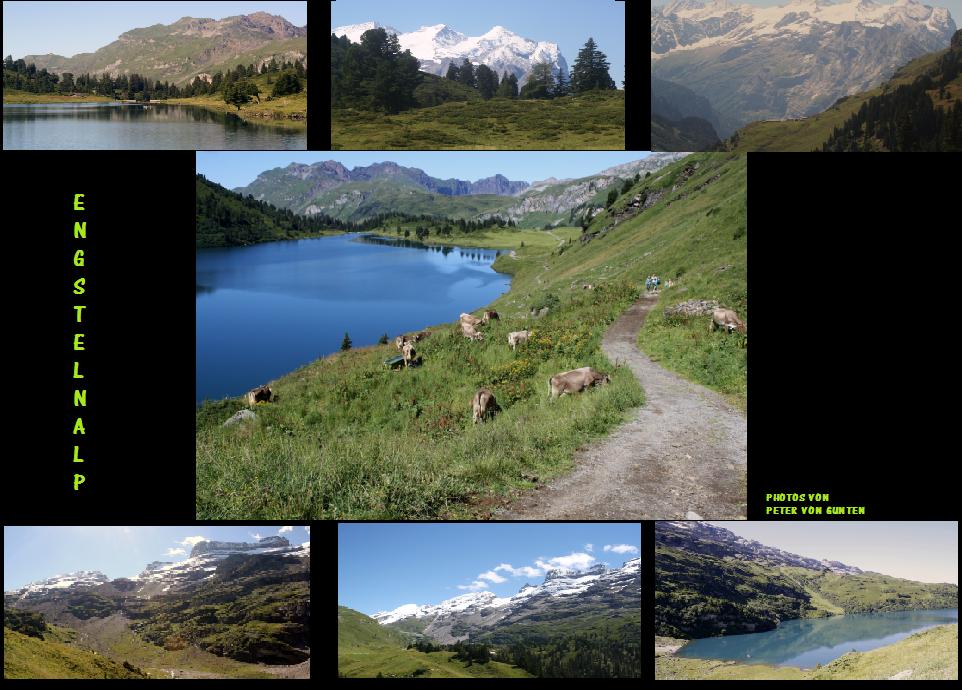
[400, 341]
[483, 404]
[587, 286]
[473, 320]
[488, 315]
[470, 332]
[516, 337]
[575, 381]
[417, 337]
[259, 394]
[727, 319]
[409, 354]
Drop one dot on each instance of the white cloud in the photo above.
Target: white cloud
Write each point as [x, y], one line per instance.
[492, 576]
[286, 528]
[255, 536]
[525, 570]
[190, 541]
[577, 561]
[474, 586]
[307, 528]
[621, 548]
[127, 530]
[175, 552]
[589, 547]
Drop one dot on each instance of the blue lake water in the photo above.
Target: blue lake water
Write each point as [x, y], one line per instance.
[130, 126]
[805, 643]
[267, 309]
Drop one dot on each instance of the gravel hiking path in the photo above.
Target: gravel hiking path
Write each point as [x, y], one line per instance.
[682, 455]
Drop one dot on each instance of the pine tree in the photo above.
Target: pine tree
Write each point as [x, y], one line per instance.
[487, 81]
[590, 70]
[562, 88]
[452, 73]
[540, 82]
[466, 74]
[346, 343]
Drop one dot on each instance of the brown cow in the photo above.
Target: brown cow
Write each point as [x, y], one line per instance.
[488, 315]
[575, 381]
[400, 341]
[259, 394]
[469, 331]
[468, 318]
[484, 405]
[517, 337]
[727, 319]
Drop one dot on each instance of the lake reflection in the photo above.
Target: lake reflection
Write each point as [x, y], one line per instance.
[130, 126]
[265, 310]
[808, 642]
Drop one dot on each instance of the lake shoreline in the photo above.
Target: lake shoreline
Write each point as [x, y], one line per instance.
[670, 647]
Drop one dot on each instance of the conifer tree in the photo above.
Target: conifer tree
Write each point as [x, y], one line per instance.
[590, 70]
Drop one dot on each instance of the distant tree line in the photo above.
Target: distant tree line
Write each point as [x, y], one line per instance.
[906, 119]
[377, 75]
[226, 218]
[602, 654]
[26, 77]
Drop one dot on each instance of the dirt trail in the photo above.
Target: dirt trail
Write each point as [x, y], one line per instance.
[684, 451]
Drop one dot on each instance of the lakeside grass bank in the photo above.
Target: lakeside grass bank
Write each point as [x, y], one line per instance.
[27, 97]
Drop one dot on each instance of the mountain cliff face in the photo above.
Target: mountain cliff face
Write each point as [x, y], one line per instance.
[440, 45]
[564, 594]
[297, 186]
[189, 47]
[792, 61]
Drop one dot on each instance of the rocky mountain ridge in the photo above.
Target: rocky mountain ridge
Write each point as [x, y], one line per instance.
[329, 187]
[440, 45]
[701, 537]
[189, 47]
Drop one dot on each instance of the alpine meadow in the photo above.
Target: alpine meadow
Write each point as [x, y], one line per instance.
[435, 87]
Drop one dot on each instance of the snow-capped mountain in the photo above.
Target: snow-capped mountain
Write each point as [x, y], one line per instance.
[690, 25]
[791, 61]
[562, 588]
[164, 576]
[79, 579]
[438, 45]
[700, 537]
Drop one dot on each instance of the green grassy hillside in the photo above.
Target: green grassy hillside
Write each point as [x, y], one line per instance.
[31, 657]
[350, 439]
[702, 596]
[810, 133]
[594, 120]
[366, 649]
[355, 630]
[929, 655]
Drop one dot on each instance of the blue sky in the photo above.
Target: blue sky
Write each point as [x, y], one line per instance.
[37, 553]
[236, 169]
[381, 566]
[953, 6]
[569, 23]
[922, 551]
[68, 28]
